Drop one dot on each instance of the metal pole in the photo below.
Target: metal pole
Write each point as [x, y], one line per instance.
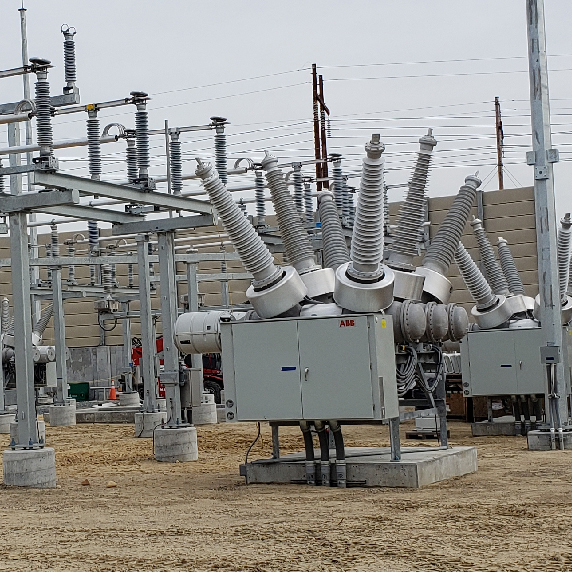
[27, 430]
[323, 111]
[317, 148]
[127, 350]
[59, 335]
[394, 439]
[542, 158]
[500, 140]
[148, 344]
[193, 304]
[170, 375]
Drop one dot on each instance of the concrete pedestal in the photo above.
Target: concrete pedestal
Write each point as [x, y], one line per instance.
[161, 404]
[41, 432]
[129, 399]
[30, 468]
[221, 414]
[176, 445]
[146, 423]
[63, 415]
[542, 441]
[205, 413]
[371, 467]
[5, 420]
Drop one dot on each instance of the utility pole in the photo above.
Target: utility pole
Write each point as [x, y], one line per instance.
[317, 149]
[500, 142]
[323, 110]
[542, 158]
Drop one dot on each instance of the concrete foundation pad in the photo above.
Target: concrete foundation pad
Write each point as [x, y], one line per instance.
[63, 415]
[103, 415]
[178, 444]
[221, 414]
[372, 467]
[131, 399]
[146, 423]
[30, 468]
[205, 413]
[542, 440]
[41, 432]
[6, 419]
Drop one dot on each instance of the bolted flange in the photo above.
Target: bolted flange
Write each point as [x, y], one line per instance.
[494, 316]
[408, 285]
[436, 287]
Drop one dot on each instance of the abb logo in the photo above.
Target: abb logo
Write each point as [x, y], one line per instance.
[346, 323]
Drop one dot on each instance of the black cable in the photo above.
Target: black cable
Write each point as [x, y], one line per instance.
[252, 444]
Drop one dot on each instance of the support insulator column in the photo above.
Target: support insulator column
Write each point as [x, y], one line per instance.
[5, 316]
[45, 136]
[93, 239]
[298, 187]
[308, 204]
[274, 290]
[564, 234]
[131, 156]
[142, 134]
[176, 163]
[220, 148]
[259, 195]
[94, 143]
[338, 181]
[69, 58]
[335, 250]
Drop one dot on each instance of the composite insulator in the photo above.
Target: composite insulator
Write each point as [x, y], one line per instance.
[69, 56]
[5, 316]
[308, 204]
[412, 211]
[48, 247]
[348, 210]
[107, 279]
[385, 211]
[367, 242]
[131, 159]
[45, 136]
[71, 267]
[259, 196]
[509, 268]
[93, 144]
[296, 241]
[335, 250]
[338, 181]
[220, 148]
[1, 179]
[298, 187]
[495, 275]
[441, 251]
[42, 323]
[563, 253]
[93, 241]
[113, 267]
[477, 284]
[55, 240]
[130, 275]
[242, 207]
[142, 133]
[252, 250]
[176, 164]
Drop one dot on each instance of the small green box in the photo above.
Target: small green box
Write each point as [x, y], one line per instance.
[79, 390]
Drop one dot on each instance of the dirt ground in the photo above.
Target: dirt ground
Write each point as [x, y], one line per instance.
[514, 514]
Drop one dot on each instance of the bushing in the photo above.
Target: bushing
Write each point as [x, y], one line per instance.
[363, 296]
[436, 287]
[280, 296]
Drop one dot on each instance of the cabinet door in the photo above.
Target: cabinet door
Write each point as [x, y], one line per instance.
[530, 372]
[492, 363]
[267, 371]
[335, 368]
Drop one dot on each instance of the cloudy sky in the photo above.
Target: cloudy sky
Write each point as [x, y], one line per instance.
[395, 67]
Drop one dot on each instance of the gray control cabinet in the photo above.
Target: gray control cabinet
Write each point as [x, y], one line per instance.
[315, 368]
[506, 362]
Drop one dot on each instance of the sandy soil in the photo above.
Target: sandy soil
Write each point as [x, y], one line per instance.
[514, 514]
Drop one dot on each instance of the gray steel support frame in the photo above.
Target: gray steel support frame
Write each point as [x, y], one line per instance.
[170, 375]
[193, 305]
[127, 349]
[59, 336]
[394, 439]
[148, 343]
[545, 211]
[2, 395]
[27, 430]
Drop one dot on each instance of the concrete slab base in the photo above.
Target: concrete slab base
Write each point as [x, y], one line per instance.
[501, 426]
[371, 467]
[41, 425]
[205, 413]
[62, 415]
[5, 420]
[104, 415]
[146, 423]
[30, 468]
[174, 445]
[129, 399]
[542, 440]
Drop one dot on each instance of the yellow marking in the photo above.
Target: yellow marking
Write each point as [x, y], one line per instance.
[383, 323]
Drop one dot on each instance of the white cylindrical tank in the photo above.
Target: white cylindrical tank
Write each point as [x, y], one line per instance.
[199, 332]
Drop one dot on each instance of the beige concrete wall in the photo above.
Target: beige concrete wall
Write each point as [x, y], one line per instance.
[508, 213]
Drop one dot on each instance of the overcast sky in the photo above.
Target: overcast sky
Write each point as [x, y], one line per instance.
[395, 67]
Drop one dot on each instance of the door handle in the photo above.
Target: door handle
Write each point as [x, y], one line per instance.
[520, 364]
[306, 372]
